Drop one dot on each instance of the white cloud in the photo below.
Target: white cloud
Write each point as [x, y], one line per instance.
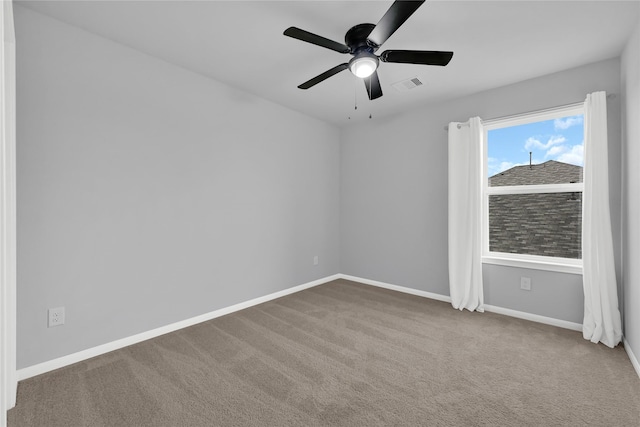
[556, 150]
[567, 122]
[575, 156]
[505, 165]
[534, 144]
[531, 143]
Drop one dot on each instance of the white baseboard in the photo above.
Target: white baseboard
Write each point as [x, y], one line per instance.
[632, 357]
[534, 317]
[63, 361]
[498, 310]
[403, 289]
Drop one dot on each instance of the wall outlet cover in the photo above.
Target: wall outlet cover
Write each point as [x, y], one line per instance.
[56, 316]
[525, 283]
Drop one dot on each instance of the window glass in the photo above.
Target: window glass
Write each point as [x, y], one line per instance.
[544, 224]
[543, 152]
[532, 207]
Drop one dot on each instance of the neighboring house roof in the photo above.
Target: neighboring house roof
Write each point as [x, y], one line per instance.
[548, 224]
[549, 172]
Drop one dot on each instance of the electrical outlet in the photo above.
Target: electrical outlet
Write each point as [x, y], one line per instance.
[525, 283]
[315, 260]
[56, 316]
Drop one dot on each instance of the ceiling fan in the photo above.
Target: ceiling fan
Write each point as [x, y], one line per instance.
[363, 40]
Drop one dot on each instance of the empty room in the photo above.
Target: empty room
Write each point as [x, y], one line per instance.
[317, 213]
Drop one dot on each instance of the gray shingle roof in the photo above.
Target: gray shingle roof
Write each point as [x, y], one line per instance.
[549, 172]
[547, 224]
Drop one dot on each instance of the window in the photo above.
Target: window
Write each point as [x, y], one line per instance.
[532, 191]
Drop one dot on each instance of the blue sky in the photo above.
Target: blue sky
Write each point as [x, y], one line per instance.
[560, 139]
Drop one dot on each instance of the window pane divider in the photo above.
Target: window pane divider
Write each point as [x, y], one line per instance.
[531, 189]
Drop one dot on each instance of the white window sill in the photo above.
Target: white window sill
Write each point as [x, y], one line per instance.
[558, 265]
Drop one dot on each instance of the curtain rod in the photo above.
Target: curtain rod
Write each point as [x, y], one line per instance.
[575, 104]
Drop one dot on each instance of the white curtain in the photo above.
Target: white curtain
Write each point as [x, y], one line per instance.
[601, 315]
[465, 224]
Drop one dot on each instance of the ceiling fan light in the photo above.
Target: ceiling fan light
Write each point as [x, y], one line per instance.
[363, 65]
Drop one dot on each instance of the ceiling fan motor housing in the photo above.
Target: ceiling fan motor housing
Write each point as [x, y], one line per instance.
[356, 39]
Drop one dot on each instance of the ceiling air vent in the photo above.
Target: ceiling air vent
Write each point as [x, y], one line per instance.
[405, 85]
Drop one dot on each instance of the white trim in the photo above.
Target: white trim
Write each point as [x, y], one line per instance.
[492, 308]
[560, 265]
[576, 187]
[8, 381]
[402, 289]
[63, 361]
[632, 357]
[534, 317]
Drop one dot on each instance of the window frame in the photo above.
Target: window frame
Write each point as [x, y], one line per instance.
[538, 262]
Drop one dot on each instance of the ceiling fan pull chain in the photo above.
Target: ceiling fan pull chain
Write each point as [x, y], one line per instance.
[355, 100]
[355, 97]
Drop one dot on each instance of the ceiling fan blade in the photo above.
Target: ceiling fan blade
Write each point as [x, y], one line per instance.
[426, 57]
[308, 37]
[399, 12]
[317, 79]
[372, 83]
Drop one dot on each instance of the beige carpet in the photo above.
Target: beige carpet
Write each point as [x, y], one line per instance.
[344, 354]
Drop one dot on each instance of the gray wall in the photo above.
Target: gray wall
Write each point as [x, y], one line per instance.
[394, 192]
[631, 195]
[148, 194]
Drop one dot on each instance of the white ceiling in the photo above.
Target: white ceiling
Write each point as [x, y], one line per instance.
[241, 44]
